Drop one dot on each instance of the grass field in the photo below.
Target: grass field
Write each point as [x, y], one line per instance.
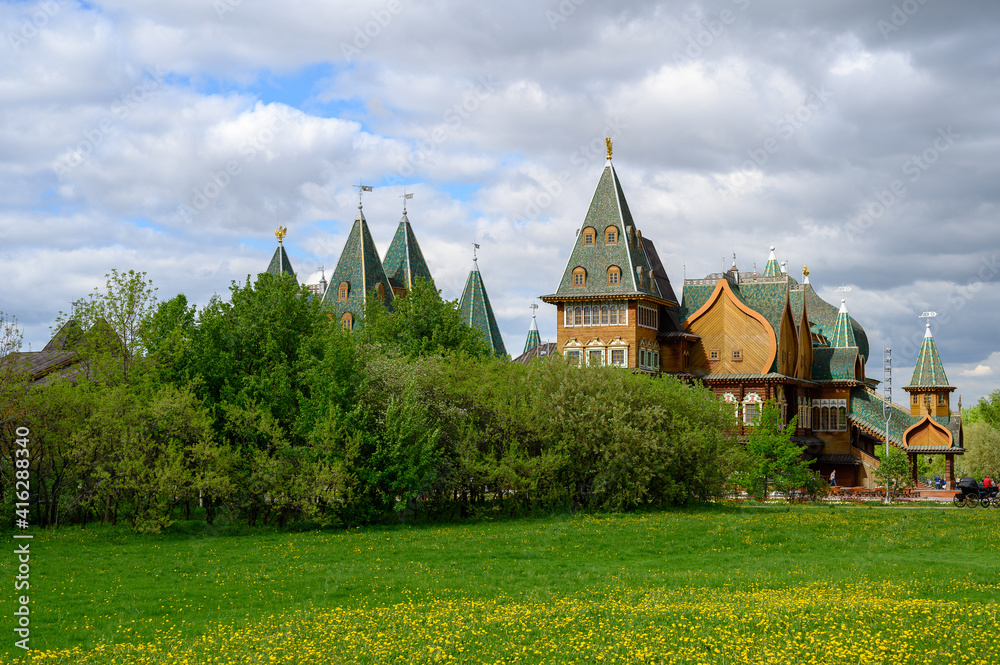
[735, 584]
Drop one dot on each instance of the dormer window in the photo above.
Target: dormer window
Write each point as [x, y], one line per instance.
[347, 321]
[611, 235]
[579, 276]
[614, 276]
[589, 234]
[343, 291]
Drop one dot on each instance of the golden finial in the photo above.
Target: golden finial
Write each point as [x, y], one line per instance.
[805, 270]
[280, 233]
[607, 141]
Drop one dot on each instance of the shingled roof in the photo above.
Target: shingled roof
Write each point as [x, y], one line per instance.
[843, 331]
[534, 339]
[608, 208]
[280, 265]
[477, 311]
[404, 261]
[928, 371]
[360, 267]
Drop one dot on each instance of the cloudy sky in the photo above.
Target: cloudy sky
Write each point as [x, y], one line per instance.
[859, 137]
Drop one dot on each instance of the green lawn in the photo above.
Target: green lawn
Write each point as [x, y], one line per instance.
[730, 584]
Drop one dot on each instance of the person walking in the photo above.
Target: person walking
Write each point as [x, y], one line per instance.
[833, 478]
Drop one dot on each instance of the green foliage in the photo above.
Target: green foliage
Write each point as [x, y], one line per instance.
[894, 470]
[987, 410]
[421, 324]
[124, 305]
[245, 352]
[982, 451]
[263, 407]
[12, 374]
[167, 334]
[771, 460]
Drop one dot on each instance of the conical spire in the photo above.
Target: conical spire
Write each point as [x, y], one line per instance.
[929, 371]
[772, 269]
[477, 311]
[404, 261]
[608, 255]
[358, 272]
[534, 339]
[280, 265]
[843, 331]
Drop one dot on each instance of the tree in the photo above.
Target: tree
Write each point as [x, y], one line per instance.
[987, 410]
[246, 352]
[893, 470]
[167, 336]
[12, 371]
[422, 324]
[126, 302]
[982, 451]
[771, 459]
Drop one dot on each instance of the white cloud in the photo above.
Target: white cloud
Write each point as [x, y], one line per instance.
[162, 97]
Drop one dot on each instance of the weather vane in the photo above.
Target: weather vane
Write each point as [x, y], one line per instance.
[405, 198]
[362, 189]
[475, 246]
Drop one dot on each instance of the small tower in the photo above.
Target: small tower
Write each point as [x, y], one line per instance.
[843, 331]
[929, 390]
[477, 311]
[404, 261]
[358, 273]
[772, 269]
[534, 339]
[280, 265]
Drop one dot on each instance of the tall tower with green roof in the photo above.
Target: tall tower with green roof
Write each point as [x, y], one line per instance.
[929, 389]
[359, 271]
[404, 261]
[610, 301]
[477, 311]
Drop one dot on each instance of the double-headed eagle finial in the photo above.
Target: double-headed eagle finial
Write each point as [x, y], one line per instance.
[607, 141]
[280, 233]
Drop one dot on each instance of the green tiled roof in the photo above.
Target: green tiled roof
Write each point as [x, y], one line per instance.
[404, 261]
[843, 331]
[866, 408]
[830, 364]
[772, 269]
[929, 371]
[534, 339]
[478, 313]
[824, 315]
[766, 295]
[361, 268]
[280, 265]
[609, 208]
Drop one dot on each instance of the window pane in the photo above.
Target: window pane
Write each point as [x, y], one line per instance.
[604, 315]
[578, 316]
[586, 316]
